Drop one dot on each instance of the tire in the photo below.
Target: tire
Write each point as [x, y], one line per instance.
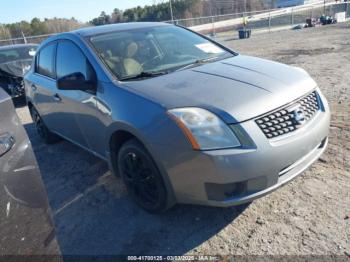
[142, 177]
[44, 133]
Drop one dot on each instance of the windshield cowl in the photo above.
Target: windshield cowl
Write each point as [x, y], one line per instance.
[144, 75]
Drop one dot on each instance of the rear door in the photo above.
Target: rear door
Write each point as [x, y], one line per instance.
[41, 85]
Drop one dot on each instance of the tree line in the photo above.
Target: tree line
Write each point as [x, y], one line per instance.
[39, 27]
[182, 9]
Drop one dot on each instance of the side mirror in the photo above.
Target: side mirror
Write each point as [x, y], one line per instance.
[75, 81]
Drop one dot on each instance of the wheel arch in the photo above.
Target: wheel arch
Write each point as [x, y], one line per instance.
[118, 134]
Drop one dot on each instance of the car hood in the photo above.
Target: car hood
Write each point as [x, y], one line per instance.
[16, 68]
[236, 89]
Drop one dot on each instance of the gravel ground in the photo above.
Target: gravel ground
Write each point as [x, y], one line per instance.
[310, 215]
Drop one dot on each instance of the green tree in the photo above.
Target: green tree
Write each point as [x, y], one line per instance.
[103, 19]
[117, 16]
[38, 27]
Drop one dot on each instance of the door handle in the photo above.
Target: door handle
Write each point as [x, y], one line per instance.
[34, 88]
[57, 97]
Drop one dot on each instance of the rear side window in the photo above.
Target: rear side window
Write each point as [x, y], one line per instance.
[45, 65]
[71, 60]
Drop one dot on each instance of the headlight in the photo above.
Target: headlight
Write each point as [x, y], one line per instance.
[6, 143]
[204, 129]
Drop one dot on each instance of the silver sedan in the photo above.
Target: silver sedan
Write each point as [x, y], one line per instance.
[181, 118]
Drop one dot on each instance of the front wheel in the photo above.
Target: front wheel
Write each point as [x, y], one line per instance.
[142, 177]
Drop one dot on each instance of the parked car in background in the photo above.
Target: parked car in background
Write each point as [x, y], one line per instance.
[181, 118]
[26, 224]
[15, 61]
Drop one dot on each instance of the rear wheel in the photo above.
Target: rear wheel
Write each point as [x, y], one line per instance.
[142, 177]
[45, 134]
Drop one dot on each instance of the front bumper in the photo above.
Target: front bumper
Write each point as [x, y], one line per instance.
[236, 176]
[251, 192]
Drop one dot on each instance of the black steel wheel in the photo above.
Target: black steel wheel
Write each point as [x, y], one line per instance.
[45, 134]
[142, 177]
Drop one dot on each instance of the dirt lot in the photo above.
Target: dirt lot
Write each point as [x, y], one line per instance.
[311, 215]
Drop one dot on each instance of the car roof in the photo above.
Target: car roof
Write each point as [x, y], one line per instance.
[8, 47]
[102, 29]
[96, 30]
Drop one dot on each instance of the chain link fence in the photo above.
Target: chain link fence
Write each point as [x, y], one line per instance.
[264, 20]
[26, 39]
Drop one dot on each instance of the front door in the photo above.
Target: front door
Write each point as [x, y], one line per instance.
[76, 105]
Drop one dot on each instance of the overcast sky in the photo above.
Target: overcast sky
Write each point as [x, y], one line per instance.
[83, 10]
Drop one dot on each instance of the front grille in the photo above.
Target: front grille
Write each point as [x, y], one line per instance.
[290, 118]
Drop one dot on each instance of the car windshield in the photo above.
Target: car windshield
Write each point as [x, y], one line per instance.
[15, 54]
[154, 51]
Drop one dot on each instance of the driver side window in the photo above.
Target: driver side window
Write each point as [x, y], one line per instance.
[71, 60]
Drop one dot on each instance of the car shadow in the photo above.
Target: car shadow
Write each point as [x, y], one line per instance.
[94, 216]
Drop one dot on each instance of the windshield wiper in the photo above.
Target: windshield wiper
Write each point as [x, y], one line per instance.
[144, 74]
[199, 62]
